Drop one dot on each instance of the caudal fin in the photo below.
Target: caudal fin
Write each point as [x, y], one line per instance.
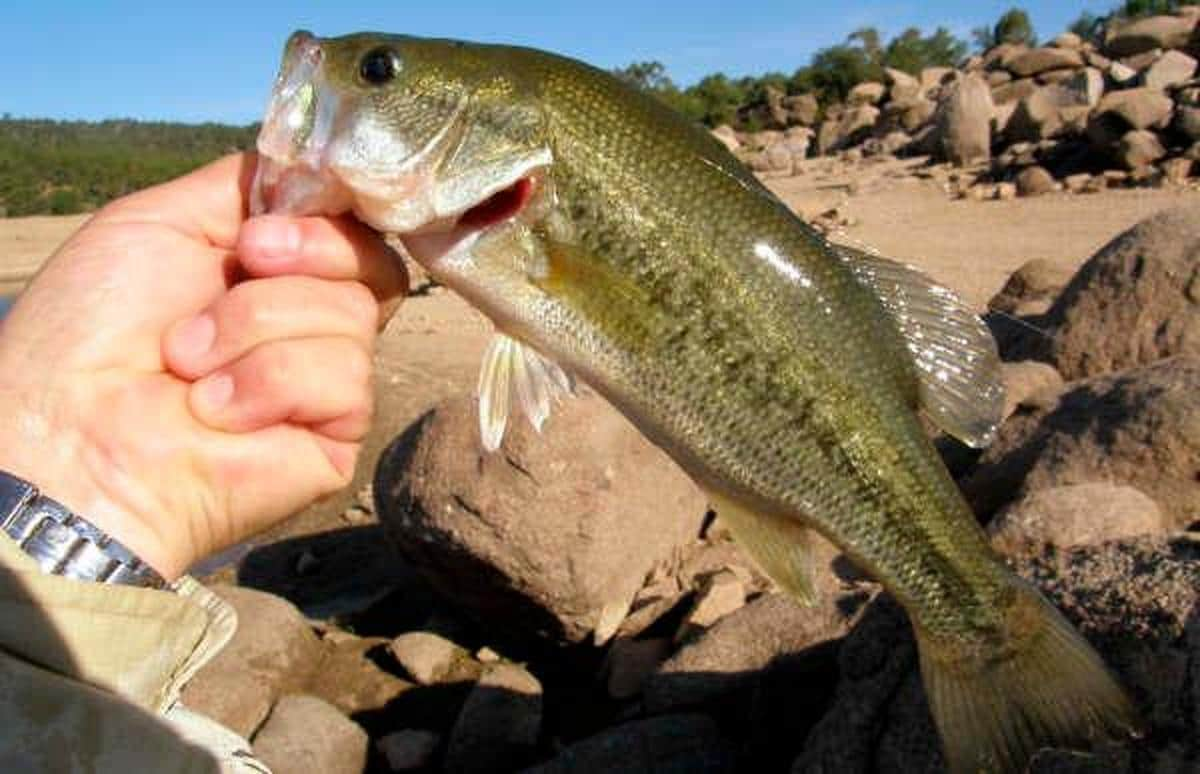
[1041, 686]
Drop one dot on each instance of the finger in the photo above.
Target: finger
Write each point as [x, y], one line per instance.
[259, 311]
[331, 248]
[209, 203]
[324, 382]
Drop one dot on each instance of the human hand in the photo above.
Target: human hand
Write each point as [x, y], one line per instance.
[184, 377]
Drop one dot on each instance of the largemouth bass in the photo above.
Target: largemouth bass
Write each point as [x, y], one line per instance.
[611, 241]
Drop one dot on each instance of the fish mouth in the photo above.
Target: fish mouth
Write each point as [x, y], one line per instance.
[311, 162]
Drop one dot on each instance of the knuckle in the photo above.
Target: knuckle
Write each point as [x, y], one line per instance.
[361, 303]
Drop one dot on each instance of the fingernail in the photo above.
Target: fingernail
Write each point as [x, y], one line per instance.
[214, 392]
[196, 336]
[278, 239]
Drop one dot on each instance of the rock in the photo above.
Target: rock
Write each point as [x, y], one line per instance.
[350, 680]
[722, 594]
[965, 121]
[780, 158]
[426, 657]
[727, 137]
[1141, 62]
[867, 93]
[1038, 60]
[1036, 281]
[1029, 384]
[1006, 192]
[1139, 149]
[1139, 108]
[1122, 74]
[1035, 181]
[273, 652]
[933, 78]
[1013, 91]
[498, 727]
[856, 124]
[1069, 40]
[828, 136]
[552, 533]
[903, 87]
[909, 115]
[409, 749]
[672, 744]
[1087, 85]
[304, 733]
[1069, 516]
[1136, 301]
[1173, 69]
[998, 77]
[1036, 118]
[1136, 601]
[728, 659]
[1142, 35]
[1187, 121]
[1077, 183]
[1178, 170]
[1139, 428]
[630, 663]
[803, 109]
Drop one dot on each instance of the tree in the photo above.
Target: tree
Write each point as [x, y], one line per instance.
[1133, 9]
[912, 52]
[647, 76]
[1089, 26]
[1012, 27]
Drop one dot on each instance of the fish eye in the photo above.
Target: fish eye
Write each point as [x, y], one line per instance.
[378, 66]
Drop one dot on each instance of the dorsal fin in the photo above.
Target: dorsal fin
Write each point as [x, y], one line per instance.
[957, 364]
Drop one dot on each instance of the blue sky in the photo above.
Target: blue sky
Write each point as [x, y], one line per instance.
[214, 61]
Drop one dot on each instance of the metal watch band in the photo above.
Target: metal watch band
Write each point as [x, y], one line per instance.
[63, 543]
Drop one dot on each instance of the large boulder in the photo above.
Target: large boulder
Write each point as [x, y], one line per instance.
[1126, 110]
[499, 725]
[1139, 149]
[867, 93]
[1173, 69]
[1079, 514]
[1139, 428]
[902, 86]
[965, 121]
[803, 109]
[307, 734]
[1137, 601]
[1035, 61]
[554, 532]
[1134, 302]
[1142, 35]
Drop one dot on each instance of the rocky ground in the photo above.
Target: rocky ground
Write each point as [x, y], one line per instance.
[568, 604]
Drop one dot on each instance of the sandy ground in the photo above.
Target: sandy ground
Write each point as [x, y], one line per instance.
[431, 349]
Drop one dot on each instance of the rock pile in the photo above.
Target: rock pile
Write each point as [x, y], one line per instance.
[1070, 116]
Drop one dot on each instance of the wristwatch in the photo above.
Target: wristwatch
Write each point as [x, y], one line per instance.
[64, 543]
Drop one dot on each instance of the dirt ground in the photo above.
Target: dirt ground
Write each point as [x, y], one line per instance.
[431, 349]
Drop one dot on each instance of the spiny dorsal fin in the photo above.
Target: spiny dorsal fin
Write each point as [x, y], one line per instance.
[957, 364]
[514, 372]
[780, 545]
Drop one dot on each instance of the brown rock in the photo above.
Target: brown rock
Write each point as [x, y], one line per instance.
[1122, 74]
[1035, 181]
[1187, 121]
[998, 78]
[902, 86]
[721, 594]
[1087, 87]
[630, 663]
[426, 657]
[1038, 60]
[828, 136]
[499, 723]
[727, 137]
[273, 652]
[856, 124]
[1178, 170]
[1139, 149]
[307, 734]
[933, 78]
[1139, 428]
[1139, 108]
[349, 679]
[965, 121]
[1036, 118]
[1147, 34]
[1134, 301]
[1068, 516]
[1069, 40]
[551, 534]
[672, 743]
[1006, 191]
[409, 749]
[802, 108]
[867, 93]
[1172, 69]
[1038, 280]
[1029, 384]
[1014, 91]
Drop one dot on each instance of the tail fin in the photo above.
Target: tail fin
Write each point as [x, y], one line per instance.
[1042, 686]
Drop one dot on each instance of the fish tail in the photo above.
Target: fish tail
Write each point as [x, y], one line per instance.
[1038, 684]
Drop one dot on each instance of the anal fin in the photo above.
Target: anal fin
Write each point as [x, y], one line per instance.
[781, 546]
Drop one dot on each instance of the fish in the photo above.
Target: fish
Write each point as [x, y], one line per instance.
[613, 242]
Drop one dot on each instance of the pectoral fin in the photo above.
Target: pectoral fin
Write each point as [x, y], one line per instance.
[781, 546]
[957, 365]
[513, 372]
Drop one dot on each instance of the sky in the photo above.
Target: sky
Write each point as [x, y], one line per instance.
[215, 61]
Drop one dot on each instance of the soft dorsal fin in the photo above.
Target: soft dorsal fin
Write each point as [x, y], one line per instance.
[958, 366]
[781, 546]
[513, 372]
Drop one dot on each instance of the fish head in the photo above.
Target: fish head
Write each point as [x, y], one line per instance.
[428, 139]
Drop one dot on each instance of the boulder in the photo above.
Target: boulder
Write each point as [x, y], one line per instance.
[902, 86]
[867, 93]
[499, 725]
[965, 121]
[1038, 60]
[1029, 384]
[1127, 110]
[1036, 282]
[1172, 69]
[426, 657]
[1178, 170]
[1069, 516]
[828, 136]
[273, 652]
[1087, 86]
[1141, 35]
[933, 78]
[1013, 91]
[803, 109]
[909, 115]
[307, 734]
[1139, 428]
[856, 125]
[1187, 122]
[1035, 181]
[1036, 118]
[350, 679]
[408, 750]
[721, 593]
[1136, 301]
[672, 744]
[1139, 149]
[551, 534]
[630, 662]
[1135, 600]
[1068, 40]
[1122, 74]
